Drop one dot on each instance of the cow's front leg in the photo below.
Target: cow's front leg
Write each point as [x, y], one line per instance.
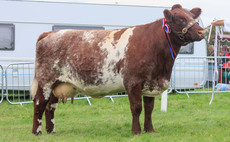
[134, 94]
[148, 106]
[39, 107]
[49, 113]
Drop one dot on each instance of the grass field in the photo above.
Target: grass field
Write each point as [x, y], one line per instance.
[188, 119]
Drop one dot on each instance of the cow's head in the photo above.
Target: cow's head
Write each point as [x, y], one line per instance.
[182, 23]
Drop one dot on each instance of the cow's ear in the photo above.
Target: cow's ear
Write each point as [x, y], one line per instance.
[176, 6]
[196, 12]
[168, 15]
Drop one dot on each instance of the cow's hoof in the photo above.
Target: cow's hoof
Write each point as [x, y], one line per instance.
[137, 132]
[51, 132]
[149, 130]
[37, 133]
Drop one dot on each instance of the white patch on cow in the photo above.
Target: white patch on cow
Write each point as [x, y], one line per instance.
[39, 129]
[39, 121]
[37, 103]
[120, 46]
[68, 77]
[61, 32]
[47, 90]
[166, 84]
[56, 63]
[54, 105]
[53, 121]
[66, 73]
[157, 91]
[88, 36]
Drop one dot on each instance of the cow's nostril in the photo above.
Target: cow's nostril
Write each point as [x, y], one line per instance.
[201, 32]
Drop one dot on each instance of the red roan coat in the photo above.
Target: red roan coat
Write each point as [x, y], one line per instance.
[101, 62]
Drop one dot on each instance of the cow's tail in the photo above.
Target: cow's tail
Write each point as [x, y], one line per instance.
[34, 88]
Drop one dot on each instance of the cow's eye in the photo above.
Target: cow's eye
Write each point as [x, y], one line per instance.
[181, 20]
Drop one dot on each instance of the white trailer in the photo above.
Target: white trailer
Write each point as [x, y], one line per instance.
[21, 23]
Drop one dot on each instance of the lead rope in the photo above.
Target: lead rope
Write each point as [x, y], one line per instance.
[166, 31]
[218, 31]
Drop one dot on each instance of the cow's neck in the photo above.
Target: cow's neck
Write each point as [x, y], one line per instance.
[160, 45]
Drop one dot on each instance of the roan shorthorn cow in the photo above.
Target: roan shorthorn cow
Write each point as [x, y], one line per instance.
[96, 63]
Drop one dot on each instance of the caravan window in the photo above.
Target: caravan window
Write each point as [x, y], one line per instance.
[188, 49]
[62, 27]
[7, 36]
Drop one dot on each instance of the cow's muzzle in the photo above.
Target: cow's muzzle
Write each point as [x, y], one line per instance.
[201, 33]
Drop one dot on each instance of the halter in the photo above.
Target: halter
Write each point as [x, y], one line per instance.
[185, 30]
[181, 34]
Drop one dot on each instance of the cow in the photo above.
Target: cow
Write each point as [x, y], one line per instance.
[137, 59]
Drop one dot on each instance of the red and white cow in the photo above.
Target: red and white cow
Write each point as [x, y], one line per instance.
[102, 62]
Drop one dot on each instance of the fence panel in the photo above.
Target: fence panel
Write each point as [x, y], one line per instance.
[1, 84]
[18, 78]
[195, 75]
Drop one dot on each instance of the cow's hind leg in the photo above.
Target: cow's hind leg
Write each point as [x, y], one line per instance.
[135, 99]
[39, 107]
[49, 113]
[148, 106]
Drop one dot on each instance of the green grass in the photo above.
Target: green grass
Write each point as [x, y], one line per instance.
[187, 120]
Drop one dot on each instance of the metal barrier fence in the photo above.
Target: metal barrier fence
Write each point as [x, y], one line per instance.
[18, 78]
[190, 75]
[195, 75]
[1, 83]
